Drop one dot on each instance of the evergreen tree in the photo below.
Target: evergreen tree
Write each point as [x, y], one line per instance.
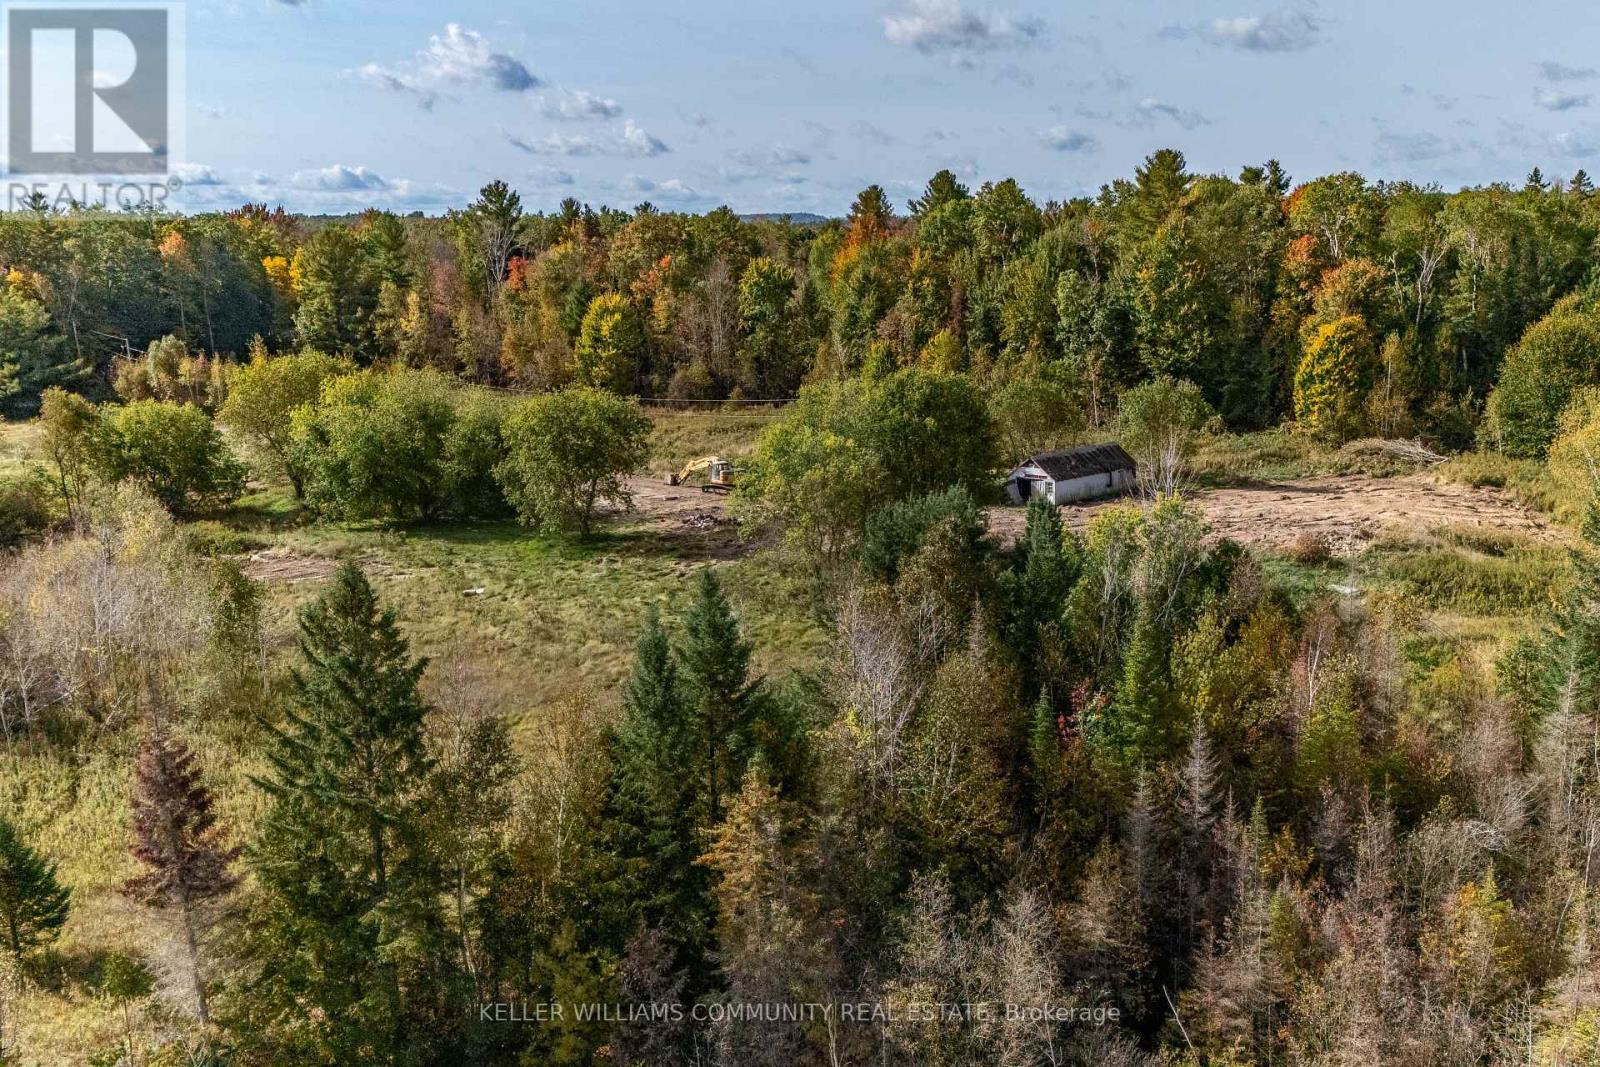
[724, 700]
[33, 904]
[656, 795]
[1043, 578]
[943, 188]
[175, 835]
[347, 928]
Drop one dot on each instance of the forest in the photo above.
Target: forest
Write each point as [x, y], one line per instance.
[368, 696]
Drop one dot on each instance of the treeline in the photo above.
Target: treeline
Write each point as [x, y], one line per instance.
[399, 445]
[1354, 307]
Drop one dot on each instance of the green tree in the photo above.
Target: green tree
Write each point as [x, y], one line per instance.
[1004, 221]
[768, 355]
[724, 700]
[486, 235]
[611, 345]
[263, 396]
[1158, 187]
[943, 188]
[656, 802]
[173, 450]
[1335, 375]
[33, 903]
[567, 452]
[347, 928]
[402, 445]
[1540, 375]
[33, 356]
[69, 423]
[338, 294]
[1159, 423]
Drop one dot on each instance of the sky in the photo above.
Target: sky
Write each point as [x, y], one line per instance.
[336, 105]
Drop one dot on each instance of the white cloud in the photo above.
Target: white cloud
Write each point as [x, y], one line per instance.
[1276, 31]
[673, 190]
[196, 174]
[463, 56]
[632, 140]
[579, 106]
[1065, 139]
[934, 26]
[641, 143]
[458, 57]
[338, 178]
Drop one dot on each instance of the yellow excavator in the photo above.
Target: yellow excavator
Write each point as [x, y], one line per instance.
[718, 474]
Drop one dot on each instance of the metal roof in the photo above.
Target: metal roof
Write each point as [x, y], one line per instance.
[1083, 461]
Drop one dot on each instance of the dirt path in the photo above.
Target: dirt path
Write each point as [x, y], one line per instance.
[1348, 510]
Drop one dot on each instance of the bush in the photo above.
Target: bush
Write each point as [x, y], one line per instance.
[25, 507]
[208, 538]
[1310, 549]
[171, 449]
[895, 533]
[407, 445]
[263, 396]
[167, 371]
[1539, 376]
[849, 448]
[567, 452]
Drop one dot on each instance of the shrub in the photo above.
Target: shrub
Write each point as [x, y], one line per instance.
[1310, 549]
[407, 445]
[848, 448]
[895, 533]
[171, 449]
[567, 452]
[167, 371]
[1540, 374]
[263, 396]
[25, 507]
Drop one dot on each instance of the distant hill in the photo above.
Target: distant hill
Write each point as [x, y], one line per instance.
[798, 218]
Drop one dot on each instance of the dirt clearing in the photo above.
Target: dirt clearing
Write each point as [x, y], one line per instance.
[1349, 510]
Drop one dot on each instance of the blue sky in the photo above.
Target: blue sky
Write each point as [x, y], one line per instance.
[337, 104]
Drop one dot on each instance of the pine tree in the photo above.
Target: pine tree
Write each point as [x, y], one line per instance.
[33, 904]
[349, 927]
[175, 835]
[1043, 580]
[725, 701]
[656, 796]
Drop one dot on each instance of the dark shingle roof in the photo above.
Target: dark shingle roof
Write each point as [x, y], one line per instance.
[1083, 461]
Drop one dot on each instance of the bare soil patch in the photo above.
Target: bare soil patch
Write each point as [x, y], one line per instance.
[285, 565]
[1348, 510]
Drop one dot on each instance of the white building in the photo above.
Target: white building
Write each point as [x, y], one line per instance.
[1072, 474]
